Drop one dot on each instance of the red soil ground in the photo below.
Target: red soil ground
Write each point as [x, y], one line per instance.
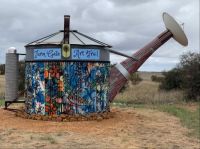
[130, 128]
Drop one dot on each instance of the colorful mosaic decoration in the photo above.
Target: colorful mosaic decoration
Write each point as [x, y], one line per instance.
[67, 87]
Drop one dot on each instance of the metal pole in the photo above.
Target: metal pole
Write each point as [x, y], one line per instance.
[66, 29]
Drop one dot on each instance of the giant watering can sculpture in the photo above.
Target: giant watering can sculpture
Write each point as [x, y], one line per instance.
[61, 78]
[120, 73]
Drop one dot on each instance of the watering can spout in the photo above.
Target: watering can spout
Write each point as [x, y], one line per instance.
[119, 74]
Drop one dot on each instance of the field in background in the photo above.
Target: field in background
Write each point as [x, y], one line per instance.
[147, 92]
[147, 75]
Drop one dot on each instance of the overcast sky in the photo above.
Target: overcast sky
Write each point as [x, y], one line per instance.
[127, 25]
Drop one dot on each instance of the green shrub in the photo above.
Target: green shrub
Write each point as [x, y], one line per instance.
[190, 66]
[185, 76]
[172, 80]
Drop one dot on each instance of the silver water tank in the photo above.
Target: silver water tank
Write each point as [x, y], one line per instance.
[11, 74]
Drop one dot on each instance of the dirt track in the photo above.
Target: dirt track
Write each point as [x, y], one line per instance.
[130, 128]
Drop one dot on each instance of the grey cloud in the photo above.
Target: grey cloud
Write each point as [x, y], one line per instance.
[121, 3]
[127, 25]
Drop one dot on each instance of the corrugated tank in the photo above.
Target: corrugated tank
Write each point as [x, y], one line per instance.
[67, 77]
[11, 75]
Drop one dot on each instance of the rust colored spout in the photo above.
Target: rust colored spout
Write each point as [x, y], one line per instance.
[119, 73]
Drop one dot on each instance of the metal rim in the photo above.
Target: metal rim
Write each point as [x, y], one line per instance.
[175, 29]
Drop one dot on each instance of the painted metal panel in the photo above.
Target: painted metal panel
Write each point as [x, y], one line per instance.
[67, 87]
[35, 88]
[47, 54]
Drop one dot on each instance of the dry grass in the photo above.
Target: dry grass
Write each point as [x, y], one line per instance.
[147, 92]
[2, 85]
